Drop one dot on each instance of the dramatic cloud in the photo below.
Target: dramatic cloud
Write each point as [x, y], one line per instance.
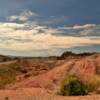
[47, 27]
[35, 38]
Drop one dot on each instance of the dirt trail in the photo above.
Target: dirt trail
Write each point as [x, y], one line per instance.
[39, 94]
[45, 80]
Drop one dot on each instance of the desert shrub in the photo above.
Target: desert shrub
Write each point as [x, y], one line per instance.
[98, 70]
[93, 83]
[72, 86]
[6, 98]
[21, 69]
[26, 75]
[97, 91]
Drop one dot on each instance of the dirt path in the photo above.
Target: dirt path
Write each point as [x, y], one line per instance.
[38, 94]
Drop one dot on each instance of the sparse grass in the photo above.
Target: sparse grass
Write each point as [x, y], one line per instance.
[8, 75]
[93, 83]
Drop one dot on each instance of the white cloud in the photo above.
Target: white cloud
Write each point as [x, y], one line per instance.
[23, 16]
[20, 39]
[84, 26]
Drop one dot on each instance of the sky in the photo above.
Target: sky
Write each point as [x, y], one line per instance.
[49, 27]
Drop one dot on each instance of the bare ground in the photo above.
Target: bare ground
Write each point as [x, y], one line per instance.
[39, 94]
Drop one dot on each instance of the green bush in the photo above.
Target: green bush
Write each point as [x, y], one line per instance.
[71, 86]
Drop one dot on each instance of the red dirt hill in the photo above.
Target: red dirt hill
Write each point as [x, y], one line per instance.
[82, 67]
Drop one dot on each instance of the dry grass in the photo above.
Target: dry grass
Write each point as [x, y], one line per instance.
[93, 83]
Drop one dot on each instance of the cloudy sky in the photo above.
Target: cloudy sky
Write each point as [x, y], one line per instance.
[49, 27]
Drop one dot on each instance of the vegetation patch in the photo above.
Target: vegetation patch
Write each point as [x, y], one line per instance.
[8, 75]
[72, 86]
